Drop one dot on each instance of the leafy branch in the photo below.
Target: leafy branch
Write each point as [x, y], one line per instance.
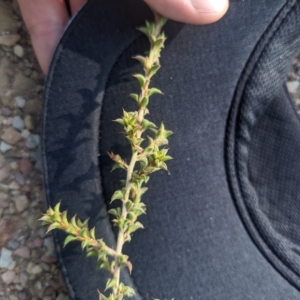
[148, 156]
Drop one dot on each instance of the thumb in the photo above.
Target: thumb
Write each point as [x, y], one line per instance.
[191, 11]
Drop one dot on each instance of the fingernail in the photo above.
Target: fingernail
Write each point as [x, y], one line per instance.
[209, 6]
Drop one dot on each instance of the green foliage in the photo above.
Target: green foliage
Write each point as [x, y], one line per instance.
[147, 157]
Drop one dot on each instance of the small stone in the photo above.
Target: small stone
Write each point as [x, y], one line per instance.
[17, 279]
[48, 259]
[11, 136]
[8, 225]
[2, 160]
[2, 120]
[13, 244]
[3, 198]
[49, 291]
[19, 178]
[12, 297]
[33, 141]
[18, 51]
[5, 189]
[9, 40]
[6, 111]
[33, 106]
[4, 147]
[38, 242]
[42, 232]
[23, 296]
[25, 166]
[20, 101]
[23, 279]
[292, 86]
[47, 298]
[14, 185]
[6, 260]
[32, 222]
[18, 287]
[14, 165]
[8, 277]
[45, 267]
[23, 251]
[34, 269]
[22, 85]
[11, 208]
[21, 202]
[62, 296]
[4, 172]
[48, 243]
[29, 122]
[25, 134]
[18, 123]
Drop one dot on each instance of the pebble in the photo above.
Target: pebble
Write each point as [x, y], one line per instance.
[18, 123]
[12, 297]
[25, 166]
[292, 86]
[13, 244]
[34, 269]
[33, 106]
[4, 172]
[18, 51]
[25, 134]
[6, 260]
[38, 242]
[21, 202]
[23, 251]
[28, 120]
[33, 141]
[48, 259]
[19, 178]
[9, 40]
[11, 136]
[48, 243]
[4, 147]
[62, 296]
[23, 279]
[14, 185]
[22, 85]
[2, 160]
[8, 277]
[32, 222]
[20, 101]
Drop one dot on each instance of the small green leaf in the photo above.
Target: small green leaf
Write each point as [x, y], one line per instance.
[111, 283]
[53, 226]
[84, 244]
[153, 91]
[118, 195]
[92, 233]
[57, 207]
[135, 227]
[144, 102]
[135, 97]
[153, 70]
[141, 79]
[73, 222]
[64, 217]
[69, 239]
[140, 58]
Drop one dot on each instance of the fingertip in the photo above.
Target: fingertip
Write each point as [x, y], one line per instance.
[191, 11]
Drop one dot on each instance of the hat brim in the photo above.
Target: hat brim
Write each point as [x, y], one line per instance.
[224, 224]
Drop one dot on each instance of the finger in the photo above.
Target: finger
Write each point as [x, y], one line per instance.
[191, 11]
[45, 21]
[76, 5]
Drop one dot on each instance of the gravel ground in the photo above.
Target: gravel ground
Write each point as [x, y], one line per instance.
[28, 265]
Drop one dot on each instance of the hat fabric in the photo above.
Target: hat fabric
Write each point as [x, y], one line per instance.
[225, 224]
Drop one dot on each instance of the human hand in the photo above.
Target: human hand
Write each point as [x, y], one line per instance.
[46, 19]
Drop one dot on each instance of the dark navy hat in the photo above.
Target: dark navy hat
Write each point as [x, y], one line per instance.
[225, 224]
